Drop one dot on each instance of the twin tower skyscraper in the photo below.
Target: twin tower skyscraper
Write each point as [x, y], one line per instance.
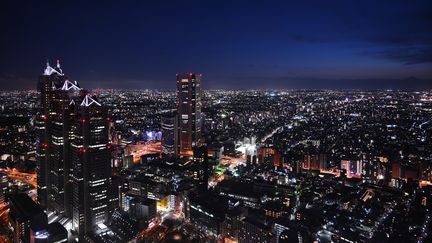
[73, 152]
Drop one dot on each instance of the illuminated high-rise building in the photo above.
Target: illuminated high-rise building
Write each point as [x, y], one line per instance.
[354, 168]
[49, 81]
[189, 111]
[58, 96]
[169, 141]
[61, 116]
[90, 165]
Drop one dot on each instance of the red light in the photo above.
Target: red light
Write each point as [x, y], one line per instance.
[190, 74]
[83, 120]
[83, 150]
[43, 145]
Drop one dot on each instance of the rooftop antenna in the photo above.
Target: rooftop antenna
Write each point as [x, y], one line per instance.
[58, 63]
[47, 63]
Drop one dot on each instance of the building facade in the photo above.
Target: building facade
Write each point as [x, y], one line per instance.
[47, 85]
[169, 125]
[57, 97]
[189, 111]
[91, 166]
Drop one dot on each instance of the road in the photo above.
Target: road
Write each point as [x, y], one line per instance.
[4, 210]
[28, 178]
[138, 150]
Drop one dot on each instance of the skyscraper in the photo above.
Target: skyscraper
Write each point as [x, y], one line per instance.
[189, 111]
[200, 156]
[63, 112]
[49, 81]
[91, 165]
[169, 135]
[58, 95]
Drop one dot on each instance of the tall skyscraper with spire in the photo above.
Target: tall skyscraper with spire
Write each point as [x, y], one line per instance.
[63, 113]
[91, 165]
[57, 98]
[49, 81]
[189, 112]
[74, 168]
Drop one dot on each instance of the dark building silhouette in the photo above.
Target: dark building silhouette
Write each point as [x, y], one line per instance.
[30, 223]
[24, 216]
[252, 230]
[200, 156]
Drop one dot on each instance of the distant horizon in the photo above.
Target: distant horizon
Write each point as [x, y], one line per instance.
[256, 89]
[402, 84]
[258, 83]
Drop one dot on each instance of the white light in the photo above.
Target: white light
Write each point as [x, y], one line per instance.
[102, 226]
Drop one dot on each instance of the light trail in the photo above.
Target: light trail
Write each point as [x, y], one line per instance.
[138, 150]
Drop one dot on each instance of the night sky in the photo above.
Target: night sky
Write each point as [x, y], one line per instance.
[234, 44]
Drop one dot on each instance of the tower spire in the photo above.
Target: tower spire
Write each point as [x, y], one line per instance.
[47, 63]
[58, 63]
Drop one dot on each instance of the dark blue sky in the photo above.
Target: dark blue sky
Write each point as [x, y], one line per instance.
[234, 44]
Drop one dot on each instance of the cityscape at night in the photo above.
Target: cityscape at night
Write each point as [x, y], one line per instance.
[216, 121]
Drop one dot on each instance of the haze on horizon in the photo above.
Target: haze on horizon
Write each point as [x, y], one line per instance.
[234, 44]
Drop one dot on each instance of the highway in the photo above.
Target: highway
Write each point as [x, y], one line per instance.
[28, 178]
[138, 150]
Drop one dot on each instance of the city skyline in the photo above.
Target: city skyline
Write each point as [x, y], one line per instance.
[213, 165]
[284, 45]
[216, 121]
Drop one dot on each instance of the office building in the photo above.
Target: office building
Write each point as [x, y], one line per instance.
[49, 81]
[189, 112]
[91, 166]
[25, 216]
[142, 209]
[201, 166]
[270, 155]
[169, 135]
[58, 95]
[315, 162]
[354, 168]
[60, 163]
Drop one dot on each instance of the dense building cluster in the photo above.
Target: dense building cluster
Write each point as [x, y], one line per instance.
[213, 165]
